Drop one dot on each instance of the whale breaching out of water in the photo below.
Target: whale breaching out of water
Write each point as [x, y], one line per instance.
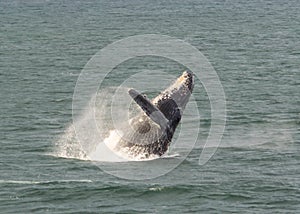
[150, 133]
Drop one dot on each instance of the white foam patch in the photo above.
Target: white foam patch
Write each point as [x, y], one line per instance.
[107, 151]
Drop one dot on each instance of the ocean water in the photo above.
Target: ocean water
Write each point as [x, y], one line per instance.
[254, 47]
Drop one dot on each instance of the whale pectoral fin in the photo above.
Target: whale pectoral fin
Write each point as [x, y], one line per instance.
[151, 110]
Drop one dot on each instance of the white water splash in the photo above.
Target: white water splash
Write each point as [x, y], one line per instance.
[95, 144]
[107, 151]
[68, 146]
[104, 150]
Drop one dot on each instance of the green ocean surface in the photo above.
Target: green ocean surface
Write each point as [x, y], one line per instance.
[254, 46]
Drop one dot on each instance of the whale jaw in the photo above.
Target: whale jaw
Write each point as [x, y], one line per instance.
[152, 131]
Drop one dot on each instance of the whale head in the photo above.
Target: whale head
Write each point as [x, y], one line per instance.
[172, 101]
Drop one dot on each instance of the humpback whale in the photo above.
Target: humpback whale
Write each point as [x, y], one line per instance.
[150, 132]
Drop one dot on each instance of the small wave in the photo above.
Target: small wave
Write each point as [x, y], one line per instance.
[156, 189]
[175, 155]
[43, 182]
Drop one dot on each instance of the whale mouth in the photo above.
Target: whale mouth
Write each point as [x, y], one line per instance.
[184, 83]
[185, 80]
